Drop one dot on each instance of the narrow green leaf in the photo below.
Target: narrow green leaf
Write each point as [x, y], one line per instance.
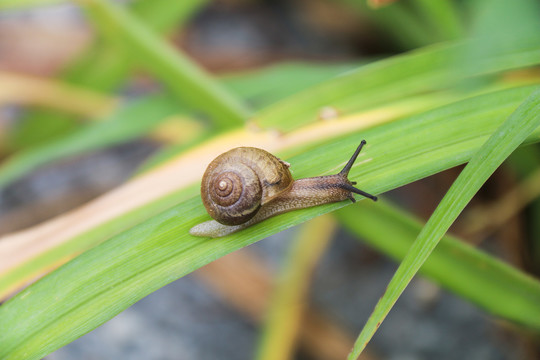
[164, 16]
[392, 81]
[129, 122]
[50, 126]
[464, 270]
[268, 85]
[107, 279]
[16, 4]
[183, 77]
[483, 163]
[139, 117]
[287, 304]
[104, 67]
[441, 17]
[403, 25]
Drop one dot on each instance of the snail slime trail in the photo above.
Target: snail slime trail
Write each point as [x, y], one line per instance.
[247, 185]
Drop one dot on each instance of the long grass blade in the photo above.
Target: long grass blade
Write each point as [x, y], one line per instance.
[103, 281]
[101, 68]
[17, 4]
[127, 123]
[405, 151]
[483, 163]
[138, 118]
[473, 274]
[288, 303]
[105, 67]
[394, 81]
[183, 77]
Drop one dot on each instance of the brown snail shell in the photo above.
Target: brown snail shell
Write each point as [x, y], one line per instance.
[246, 185]
[237, 183]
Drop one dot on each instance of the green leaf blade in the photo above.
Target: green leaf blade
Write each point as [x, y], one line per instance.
[129, 122]
[185, 79]
[112, 276]
[464, 270]
[498, 147]
[391, 82]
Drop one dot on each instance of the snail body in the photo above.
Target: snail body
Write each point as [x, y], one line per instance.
[247, 185]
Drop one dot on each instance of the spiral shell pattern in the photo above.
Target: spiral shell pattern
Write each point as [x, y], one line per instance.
[237, 183]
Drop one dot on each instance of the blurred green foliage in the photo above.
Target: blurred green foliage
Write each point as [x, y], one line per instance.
[441, 101]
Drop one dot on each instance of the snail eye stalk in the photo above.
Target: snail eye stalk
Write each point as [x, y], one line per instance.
[345, 173]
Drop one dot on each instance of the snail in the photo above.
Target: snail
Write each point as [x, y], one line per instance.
[246, 185]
